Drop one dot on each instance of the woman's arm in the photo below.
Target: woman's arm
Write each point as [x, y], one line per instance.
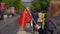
[38, 25]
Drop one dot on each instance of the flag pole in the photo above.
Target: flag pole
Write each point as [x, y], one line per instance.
[32, 19]
[31, 15]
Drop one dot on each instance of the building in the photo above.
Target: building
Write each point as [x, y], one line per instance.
[27, 3]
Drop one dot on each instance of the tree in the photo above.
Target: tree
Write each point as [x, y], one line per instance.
[40, 4]
[35, 4]
[8, 3]
[14, 3]
[18, 4]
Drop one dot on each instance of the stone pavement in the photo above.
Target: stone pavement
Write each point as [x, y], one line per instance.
[10, 26]
[24, 31]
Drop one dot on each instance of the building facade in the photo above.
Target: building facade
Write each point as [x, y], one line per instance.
[27, 3]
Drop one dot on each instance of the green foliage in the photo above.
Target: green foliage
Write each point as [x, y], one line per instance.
[18, 4]
[14, 3]
[8, 3]
[39, 4]
[0, 0]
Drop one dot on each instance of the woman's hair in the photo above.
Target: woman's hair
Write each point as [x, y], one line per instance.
[54, 10]
[45, 9]
[36, 10]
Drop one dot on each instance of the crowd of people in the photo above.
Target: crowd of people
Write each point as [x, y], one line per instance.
[49, 22]
[9, 12]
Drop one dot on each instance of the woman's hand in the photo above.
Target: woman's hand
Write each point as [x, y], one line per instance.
[38, 27]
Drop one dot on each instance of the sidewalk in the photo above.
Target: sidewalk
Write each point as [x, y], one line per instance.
[26, 31]
[9, 25]
[20, 31]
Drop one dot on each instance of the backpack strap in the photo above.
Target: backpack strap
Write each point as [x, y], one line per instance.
[54, 23]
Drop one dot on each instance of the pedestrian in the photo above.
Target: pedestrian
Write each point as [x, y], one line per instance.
[35, 16]
[40, 21]
[49, 27]
[53, 21]
[1, 14]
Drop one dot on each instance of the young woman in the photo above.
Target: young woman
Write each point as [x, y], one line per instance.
[53, 20]
[40, 22]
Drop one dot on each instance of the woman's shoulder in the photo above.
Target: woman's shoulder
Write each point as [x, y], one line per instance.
[50, 22]
[57, 19]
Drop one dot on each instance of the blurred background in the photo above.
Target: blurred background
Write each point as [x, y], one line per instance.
[10, 10]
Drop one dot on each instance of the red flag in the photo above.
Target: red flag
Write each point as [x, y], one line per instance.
[24, 18]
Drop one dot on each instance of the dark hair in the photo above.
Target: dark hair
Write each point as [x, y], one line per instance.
[43, 10]
[35, 10]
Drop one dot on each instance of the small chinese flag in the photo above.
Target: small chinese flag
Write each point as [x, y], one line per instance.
[24, 18]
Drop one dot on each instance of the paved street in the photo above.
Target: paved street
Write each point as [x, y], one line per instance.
[10, 26]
